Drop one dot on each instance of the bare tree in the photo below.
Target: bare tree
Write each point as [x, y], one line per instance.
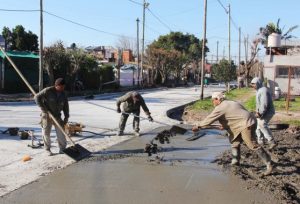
[126, 43]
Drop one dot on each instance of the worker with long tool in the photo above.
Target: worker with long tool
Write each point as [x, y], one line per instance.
[132, 102]
[264, 112]
[54, 100]
[240, 124]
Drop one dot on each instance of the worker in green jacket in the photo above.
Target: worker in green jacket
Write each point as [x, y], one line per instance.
[54, 100]
[132, 102]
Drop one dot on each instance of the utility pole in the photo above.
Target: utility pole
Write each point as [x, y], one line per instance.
[217, 51]
[246, 49]
[145, 5]
[239, 46]
[203, 49]
[229, 17]
[41, 48]
[138, 51]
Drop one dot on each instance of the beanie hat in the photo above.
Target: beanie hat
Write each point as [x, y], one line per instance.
[59, 82]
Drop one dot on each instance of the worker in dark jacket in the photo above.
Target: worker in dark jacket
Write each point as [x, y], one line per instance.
[54, 100]
[132, 101]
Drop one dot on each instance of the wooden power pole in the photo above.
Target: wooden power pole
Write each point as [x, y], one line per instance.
[41, 48]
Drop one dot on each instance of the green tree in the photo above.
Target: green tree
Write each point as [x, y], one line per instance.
[7, 35]
[223, 71]
[79, 60]
[56, 61]
[171, 52]
[22, 40]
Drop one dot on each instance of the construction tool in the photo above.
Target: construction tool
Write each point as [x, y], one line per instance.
[32, 145]
[13, 131]
[197, 134]
[76, 151]
[72, 128]
[173, 128]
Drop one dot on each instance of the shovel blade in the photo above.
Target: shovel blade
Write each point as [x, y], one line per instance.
[178, 130]
[195, 137]
[77, 152]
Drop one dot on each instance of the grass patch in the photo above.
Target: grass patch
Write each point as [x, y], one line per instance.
[250, 104]
[292, 122]
[204, 105]
[239, 94]
[294, 105]
[236, 94]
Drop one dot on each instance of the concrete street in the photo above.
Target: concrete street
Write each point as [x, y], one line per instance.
[25, 115]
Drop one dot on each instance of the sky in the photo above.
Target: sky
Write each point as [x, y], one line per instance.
[103, 22]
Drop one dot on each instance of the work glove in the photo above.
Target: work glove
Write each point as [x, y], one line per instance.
[150, 118]
[257, 115]
[44, 115]
[66, 121]
[119, 110]
[195, 128]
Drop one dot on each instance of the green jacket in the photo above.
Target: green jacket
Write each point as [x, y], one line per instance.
[129, 106]
[50, 100]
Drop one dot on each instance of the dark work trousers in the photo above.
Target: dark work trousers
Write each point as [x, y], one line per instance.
[135, 125]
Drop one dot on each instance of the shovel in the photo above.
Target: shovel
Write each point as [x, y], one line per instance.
[197, 134]
[173, 128]
[76, 152]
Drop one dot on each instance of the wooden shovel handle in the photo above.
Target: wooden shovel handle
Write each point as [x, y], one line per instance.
[34, 93]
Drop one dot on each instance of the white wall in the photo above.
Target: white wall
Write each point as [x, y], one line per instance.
[270, 66]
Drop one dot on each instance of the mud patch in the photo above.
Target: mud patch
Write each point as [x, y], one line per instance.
[284, 182]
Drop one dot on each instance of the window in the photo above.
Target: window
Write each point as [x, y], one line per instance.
[283, 72]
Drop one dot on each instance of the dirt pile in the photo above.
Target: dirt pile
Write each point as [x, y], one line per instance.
[284, 182]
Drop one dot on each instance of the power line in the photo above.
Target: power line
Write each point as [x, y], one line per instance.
[20, 10]
[85, 26]
[222, 6]
[140, 4]
[155, 16]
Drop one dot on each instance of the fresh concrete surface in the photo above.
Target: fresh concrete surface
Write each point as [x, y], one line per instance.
[15, 173]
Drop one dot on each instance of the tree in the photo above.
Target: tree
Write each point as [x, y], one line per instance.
[7, 35]
[270, 28]
[223, 71]
[169, 53]
[79, 60]
[127, 43]
[20, 40]
[56, 59]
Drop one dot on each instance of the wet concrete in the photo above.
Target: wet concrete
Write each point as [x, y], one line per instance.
[182, 173]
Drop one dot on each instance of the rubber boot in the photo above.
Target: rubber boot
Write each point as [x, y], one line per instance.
[236, 155]
[265, 157]
[272, 145]
[120, 133]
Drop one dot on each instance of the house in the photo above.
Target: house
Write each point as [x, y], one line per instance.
[277, 66]
[105, 53]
